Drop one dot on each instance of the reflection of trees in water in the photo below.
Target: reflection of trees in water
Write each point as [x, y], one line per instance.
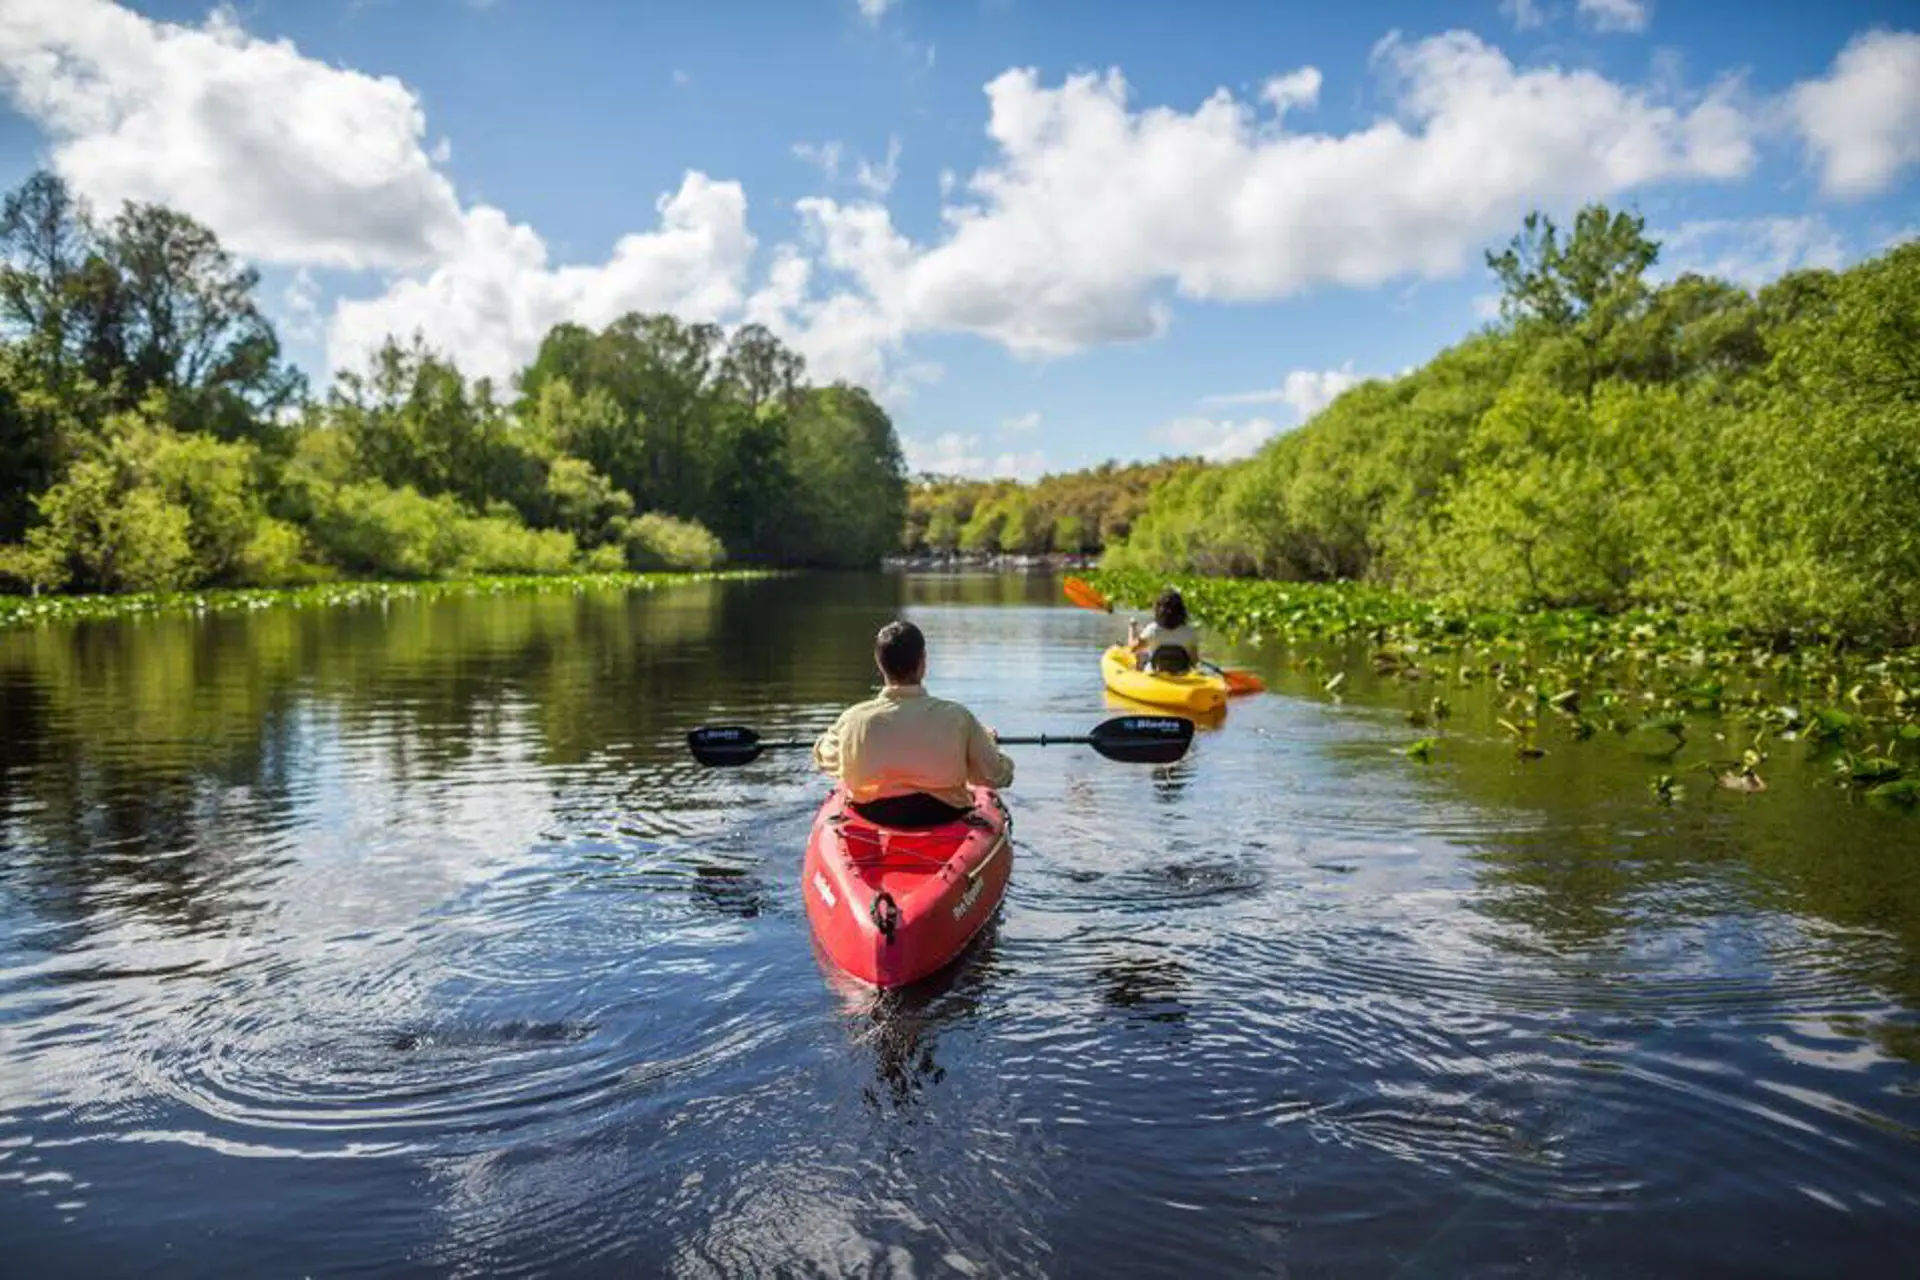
[980, 587]
[1573, 850]
[730, 890]
[1579, 856]
[1144, 981]
[144, 758]
[159, 825]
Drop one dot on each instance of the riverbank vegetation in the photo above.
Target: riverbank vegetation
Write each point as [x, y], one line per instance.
[1752, 458]
[154, 439]
[26, 610]
[1692, 692]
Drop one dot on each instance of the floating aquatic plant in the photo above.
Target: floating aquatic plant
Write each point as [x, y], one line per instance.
[18, 611]
[1637, 672]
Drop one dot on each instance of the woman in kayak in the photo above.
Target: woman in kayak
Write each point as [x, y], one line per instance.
[906, 758]
[1168, 643]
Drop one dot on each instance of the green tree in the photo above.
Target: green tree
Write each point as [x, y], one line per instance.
[584, 503]
[848, 477]
[758, 370]
[414, 420]
[48, 272]
[754, 502]
[1579, 290]
[184, 321]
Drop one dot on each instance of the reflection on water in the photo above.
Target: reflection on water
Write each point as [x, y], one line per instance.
[405, 937]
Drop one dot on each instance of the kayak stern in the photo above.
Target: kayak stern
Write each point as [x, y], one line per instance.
[889, 906]
[1202, 693]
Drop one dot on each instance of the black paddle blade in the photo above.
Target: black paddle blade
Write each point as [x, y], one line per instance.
[1143, 739]
[724, 745]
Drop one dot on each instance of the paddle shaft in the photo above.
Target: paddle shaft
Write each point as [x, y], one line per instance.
[1031, 740]
[1130, 739]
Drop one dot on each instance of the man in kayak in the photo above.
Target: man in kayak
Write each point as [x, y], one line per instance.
[1168, 643]
[905, 757]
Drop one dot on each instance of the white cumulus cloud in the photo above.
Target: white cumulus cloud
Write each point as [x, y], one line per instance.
[289, 159]
[1028, 421]
[1092, 208]
[1750, 251]
[824, 156]
[1216, 439]
[1305, 391]
[1295, 89]
[874, 10]
[1525, 14]
[953, 453]
[493, 299]
[1091, 214]
[1862, 120]
[878, 179]
[1617, 15]
[300, 304]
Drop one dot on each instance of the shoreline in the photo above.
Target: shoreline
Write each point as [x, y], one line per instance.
[20, 612]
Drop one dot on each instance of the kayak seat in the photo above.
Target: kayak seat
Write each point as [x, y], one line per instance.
[1170, 660]
[914, 812]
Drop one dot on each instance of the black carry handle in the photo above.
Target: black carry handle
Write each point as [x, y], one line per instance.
[1131, 739]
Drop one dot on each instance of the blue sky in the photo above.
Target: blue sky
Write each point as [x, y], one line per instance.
[1048, 233]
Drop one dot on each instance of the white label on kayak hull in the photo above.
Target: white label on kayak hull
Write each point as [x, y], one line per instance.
[968, 898]
[824, 889]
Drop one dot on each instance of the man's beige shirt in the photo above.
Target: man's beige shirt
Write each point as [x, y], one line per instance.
[905, 741]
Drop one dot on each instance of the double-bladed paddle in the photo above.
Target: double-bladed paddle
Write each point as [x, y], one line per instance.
[1132, 739]
[1084, 594]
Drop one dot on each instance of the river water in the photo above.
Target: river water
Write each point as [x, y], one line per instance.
[407, 940]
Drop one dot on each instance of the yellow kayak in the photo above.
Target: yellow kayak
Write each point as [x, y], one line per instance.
[1200, 692]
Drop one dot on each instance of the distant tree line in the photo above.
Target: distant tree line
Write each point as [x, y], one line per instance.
[153, 436]
[1076, 512]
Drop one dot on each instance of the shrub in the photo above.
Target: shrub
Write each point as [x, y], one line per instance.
[109, 537]
[499, 544]
[214, 483]
[276, 556]
[34, 568]
[656, 542]
[607, 559]
[369, 529]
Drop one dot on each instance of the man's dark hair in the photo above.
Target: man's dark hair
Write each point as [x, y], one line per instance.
[1170, 610]
[899, 649]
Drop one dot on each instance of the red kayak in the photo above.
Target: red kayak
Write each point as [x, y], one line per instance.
[891, 906]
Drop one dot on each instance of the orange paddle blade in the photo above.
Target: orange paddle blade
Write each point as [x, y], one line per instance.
[1244, 682]
[1081, 592]
[1237, 681]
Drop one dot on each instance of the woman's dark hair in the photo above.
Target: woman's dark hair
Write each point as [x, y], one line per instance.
[1170, 610]
[898, 649]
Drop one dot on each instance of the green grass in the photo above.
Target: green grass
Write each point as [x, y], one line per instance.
[21, 611]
